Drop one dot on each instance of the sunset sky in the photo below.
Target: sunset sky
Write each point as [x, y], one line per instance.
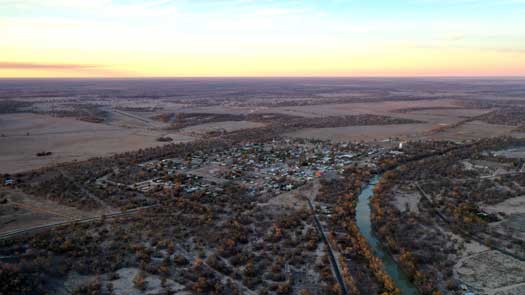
[86, 38]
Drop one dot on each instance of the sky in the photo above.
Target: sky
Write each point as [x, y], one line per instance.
[195, 38]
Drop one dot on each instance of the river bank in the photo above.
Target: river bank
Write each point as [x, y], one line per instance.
[364, 223]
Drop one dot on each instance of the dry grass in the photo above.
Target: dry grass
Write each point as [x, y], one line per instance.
[68, 139]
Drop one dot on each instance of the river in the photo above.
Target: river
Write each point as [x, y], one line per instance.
[364, 223]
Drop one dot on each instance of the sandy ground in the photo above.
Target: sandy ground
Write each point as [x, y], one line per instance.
[492, 273]
[513, 217]
[404, 201]
[509, 206]
[68, 139]
[470, 247]
[487, 271]
[210, 173]
[293, 198]
[287, 200]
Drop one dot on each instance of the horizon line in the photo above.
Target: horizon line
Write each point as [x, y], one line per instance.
[273, 77]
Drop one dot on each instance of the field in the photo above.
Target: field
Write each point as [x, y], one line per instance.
[431, 121]
[78, 119]
[68, 139]
[225, 126]
[26, 134]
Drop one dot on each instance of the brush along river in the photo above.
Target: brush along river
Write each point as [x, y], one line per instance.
[364, 223]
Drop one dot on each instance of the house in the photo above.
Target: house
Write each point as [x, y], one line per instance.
[395, 153]
[191, 190]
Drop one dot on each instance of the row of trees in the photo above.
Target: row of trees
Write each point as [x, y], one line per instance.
[422, 250]
[357, 260]
[403, 233]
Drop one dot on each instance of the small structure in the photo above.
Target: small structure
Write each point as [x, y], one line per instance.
[164, 139]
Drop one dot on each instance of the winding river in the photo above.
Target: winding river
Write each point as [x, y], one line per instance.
[364, 223]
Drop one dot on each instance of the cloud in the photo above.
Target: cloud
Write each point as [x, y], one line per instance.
[44, 66]
[502, 50]
[76, 69]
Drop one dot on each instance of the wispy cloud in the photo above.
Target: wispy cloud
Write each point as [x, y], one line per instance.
[74, 69]
[45, 66]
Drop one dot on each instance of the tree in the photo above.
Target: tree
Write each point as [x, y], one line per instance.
[139, 281]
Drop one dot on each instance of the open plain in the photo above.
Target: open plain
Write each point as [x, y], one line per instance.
[74, 128]
[251, 186]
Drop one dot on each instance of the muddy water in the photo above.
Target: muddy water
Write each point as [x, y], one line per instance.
[364, 223]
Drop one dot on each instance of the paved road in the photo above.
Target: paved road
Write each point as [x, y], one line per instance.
[331, 255]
